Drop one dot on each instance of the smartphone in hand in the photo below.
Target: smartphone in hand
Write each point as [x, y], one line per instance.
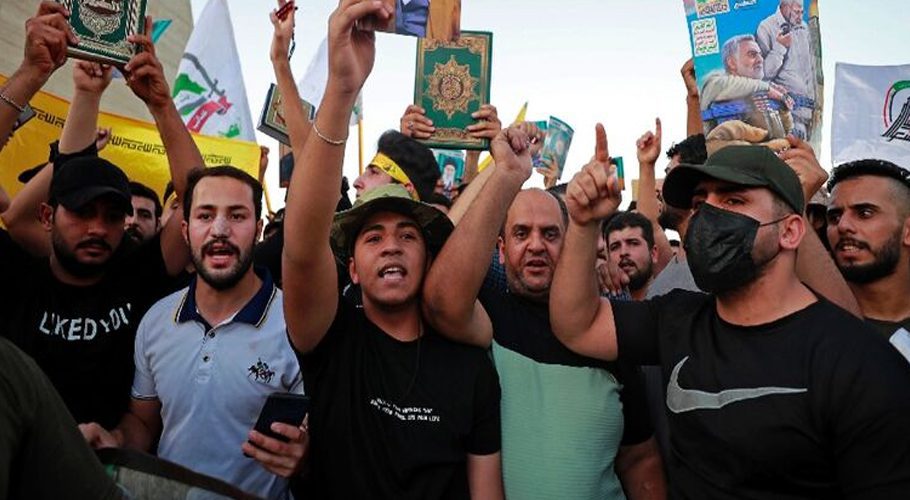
[282, 407]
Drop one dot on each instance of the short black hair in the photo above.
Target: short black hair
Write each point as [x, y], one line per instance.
[221, 171]
[880, 168]
[143, 191]
[438, 199]
[417, 161]
[168, 190]
[691, 150]
[624, 220]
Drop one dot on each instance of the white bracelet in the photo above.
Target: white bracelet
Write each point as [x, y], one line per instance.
[6, 99]
[333, 142]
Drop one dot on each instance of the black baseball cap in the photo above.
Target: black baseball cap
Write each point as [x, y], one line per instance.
[81, 180]
[754, 166]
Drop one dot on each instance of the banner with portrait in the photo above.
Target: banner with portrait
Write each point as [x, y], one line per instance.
[759, 70]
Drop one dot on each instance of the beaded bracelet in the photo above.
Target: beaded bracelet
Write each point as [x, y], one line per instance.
[333, 142]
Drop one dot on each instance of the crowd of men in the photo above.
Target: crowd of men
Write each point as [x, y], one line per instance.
[520, 343]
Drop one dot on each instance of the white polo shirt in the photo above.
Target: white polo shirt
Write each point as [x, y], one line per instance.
[213, 380]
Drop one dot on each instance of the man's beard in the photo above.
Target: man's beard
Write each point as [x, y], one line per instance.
[884, 263]
[234, 274]
[134, 233]
[71, 264]
[640, 279]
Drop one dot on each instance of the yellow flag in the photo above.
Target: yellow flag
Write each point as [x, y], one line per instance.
[518, 119]
[135, 146]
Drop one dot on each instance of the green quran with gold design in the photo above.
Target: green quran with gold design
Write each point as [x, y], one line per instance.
[102, 27]
[452, 81]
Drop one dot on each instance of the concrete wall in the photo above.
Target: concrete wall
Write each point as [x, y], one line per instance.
[118, 98]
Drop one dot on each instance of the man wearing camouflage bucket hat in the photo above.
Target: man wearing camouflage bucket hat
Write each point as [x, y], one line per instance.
[772, 390]
[397, 411]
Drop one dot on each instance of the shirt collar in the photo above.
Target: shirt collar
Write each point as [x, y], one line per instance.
[253, 313]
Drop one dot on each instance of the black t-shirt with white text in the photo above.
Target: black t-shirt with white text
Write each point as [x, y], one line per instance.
[812, 405]
[393, 419]
[82, 336]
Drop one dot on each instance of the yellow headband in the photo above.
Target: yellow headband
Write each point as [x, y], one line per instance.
[388, 165]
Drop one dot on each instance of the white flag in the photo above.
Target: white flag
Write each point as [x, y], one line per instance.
[871, 114]
[312, 85]
[209, 90]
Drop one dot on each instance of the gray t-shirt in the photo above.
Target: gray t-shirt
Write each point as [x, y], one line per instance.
[675, 275]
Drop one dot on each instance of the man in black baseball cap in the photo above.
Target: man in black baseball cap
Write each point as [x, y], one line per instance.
[77, 285]
[772, 390]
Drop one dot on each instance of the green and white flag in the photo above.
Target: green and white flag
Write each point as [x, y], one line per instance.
[871, 114]
[209, 90]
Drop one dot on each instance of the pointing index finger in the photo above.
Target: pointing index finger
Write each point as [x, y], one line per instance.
[601, 150]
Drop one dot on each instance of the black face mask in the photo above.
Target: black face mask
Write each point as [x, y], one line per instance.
[719, 249]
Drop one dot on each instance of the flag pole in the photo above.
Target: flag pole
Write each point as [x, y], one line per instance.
[268, 199]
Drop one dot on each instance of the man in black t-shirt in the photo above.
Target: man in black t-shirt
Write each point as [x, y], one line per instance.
[869, 233]
[77, 286]
[772, 391]
[397, 410]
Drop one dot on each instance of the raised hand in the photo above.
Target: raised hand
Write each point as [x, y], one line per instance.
[688, 75]
[91, 77]
[283, 23]
[648, 145]
[352, 51]
[144, 73]
[102, 137]
[594, 194]
[511, 152]
[414, 123]
[801, 158]
[488, 124]
[47, 36]
[534, 133]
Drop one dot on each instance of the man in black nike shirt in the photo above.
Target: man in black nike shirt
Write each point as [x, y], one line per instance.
[772, 391]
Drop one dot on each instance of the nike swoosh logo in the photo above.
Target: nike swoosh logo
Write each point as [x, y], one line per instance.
[681, 400]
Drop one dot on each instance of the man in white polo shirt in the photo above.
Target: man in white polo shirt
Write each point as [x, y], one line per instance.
[208, 356]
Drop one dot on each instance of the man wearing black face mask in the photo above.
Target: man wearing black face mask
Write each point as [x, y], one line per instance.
[772, 391]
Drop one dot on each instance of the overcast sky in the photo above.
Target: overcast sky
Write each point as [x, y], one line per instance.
[583, 61]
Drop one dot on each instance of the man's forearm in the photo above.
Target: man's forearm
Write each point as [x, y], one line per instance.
[298, 127]
[133, 433]
[575, 294]
[182, 154]
[80, 128]
[457, 274]
[464, 202]
[817, 270]
[641, 471]
[647, 206]
[20, 88]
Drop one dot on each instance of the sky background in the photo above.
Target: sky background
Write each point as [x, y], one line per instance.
[584, 61]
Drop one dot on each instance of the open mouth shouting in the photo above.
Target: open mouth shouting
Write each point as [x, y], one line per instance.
[850, 248]
[392, 273]
[220, 253]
